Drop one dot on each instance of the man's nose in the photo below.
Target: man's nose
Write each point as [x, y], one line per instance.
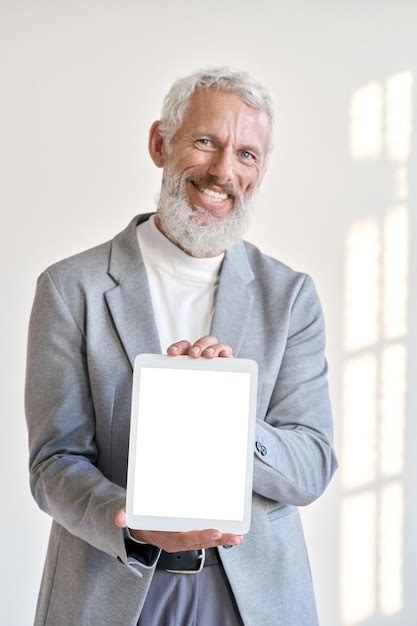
[222, 167]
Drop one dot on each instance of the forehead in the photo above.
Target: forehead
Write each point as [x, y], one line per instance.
[225, 115]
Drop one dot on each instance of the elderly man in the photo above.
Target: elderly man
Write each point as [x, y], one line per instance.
[181, 280]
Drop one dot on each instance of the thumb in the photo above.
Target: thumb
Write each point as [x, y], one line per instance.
[120, 518]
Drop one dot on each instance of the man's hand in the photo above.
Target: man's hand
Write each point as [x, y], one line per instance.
[207, 347]
[178, 542]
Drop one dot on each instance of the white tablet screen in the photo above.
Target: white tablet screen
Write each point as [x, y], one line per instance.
[192, 438]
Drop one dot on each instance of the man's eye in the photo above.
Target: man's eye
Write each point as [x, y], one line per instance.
[247, 156]
[204, 141]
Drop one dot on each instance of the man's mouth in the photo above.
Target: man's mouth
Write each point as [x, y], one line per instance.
[215, 196]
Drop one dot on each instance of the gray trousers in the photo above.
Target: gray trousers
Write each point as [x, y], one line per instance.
[203, 599]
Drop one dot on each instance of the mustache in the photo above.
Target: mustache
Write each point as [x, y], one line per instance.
[209, 180]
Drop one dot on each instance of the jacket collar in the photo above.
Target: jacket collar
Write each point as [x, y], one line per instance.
[125, 254]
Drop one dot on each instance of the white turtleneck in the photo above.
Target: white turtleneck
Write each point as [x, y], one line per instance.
[183, 288]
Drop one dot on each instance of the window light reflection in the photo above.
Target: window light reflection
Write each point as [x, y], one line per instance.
[395, 272]
[391, 549]
[357, 557]
[362, 284]
[393, 387]
[366, 121]
[359, 410]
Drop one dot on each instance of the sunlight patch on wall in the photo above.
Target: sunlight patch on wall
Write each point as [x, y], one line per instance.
[359, 434]
[391, 549]
[399, 116]
[375, 368]
[395, 272]
[358, 545]
[362, 272]
[366, 110]
[393, 388]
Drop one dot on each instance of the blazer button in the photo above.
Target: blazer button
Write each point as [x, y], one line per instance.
[260, 448]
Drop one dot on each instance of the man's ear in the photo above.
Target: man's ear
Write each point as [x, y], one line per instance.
[156, 145]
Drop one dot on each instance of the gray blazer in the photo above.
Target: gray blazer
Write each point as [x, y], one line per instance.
[91, 316]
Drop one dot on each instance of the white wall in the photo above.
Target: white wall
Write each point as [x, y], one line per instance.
[80, 84]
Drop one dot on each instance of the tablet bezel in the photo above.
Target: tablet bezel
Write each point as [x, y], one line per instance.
[223, 364]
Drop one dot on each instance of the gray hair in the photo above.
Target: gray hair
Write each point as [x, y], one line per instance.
[225, 78]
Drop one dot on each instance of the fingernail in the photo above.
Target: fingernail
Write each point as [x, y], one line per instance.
[174, 349]
[209, 351]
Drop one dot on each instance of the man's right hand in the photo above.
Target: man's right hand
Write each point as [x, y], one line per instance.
[180, 541]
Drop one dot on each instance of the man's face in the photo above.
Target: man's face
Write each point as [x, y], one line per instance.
[220, 147]
[213, 165]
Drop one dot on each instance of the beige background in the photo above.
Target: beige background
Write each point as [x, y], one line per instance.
[80, 84]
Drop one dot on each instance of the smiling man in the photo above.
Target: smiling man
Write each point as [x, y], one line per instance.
[180, 280]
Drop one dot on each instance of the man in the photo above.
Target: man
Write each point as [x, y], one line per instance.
[182, 281]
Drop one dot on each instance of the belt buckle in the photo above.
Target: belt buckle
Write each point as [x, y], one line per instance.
[201, 556]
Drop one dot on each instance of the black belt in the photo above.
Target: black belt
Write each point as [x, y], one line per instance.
[187, 562]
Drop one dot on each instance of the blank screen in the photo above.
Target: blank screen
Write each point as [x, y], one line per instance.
[191, 447]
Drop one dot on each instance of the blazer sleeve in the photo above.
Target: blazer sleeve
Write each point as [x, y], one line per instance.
[294, 458]
[64, 479]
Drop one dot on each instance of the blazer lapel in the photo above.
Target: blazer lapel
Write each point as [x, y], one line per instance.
[129, 302]
[234, 298]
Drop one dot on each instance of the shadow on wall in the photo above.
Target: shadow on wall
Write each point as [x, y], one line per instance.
[371, 551]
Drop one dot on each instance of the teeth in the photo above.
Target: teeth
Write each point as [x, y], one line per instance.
[213, 195]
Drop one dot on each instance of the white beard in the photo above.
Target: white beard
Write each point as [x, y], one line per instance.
[181, 224]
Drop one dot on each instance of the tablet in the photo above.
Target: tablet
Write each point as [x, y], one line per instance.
[191, 445]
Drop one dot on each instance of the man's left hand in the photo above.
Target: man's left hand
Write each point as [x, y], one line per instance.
[207, 347]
